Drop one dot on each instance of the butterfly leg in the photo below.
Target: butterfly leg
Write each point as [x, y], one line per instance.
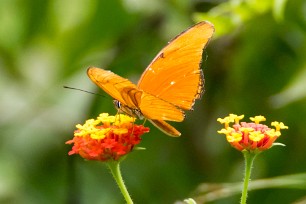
[144, 121]
[117, 115]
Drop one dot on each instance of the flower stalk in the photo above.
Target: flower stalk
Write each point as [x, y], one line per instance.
[114, 167]
[249, 159]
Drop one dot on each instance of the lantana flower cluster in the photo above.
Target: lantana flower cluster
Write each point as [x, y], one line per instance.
[251, 136]
[107, 137]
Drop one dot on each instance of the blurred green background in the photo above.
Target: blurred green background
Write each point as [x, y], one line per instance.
[255, 65]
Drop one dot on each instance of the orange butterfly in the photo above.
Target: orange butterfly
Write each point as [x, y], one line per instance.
[168, 86]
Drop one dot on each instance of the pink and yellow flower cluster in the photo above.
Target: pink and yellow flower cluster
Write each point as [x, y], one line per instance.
[251, 136]
[107, 137]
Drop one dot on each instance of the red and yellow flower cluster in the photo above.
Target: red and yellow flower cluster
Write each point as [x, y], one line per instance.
[107, 137]
[251, 136]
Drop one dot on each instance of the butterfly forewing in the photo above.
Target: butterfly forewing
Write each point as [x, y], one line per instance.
[174, 75]
[117, 87]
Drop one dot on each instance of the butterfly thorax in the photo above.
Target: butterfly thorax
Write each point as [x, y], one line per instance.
[127, 110]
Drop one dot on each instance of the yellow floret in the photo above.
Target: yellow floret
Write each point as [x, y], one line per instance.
[256, 136]
[124, 119]
[225, 131]
[87, 128]
[236, 118]
[120, 131]
[279, 125]
[273, 133]
[99, 133]
[106, 119]
[258, 119]
[234, 137]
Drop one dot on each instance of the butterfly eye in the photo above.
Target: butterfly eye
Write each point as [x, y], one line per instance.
[117, 104]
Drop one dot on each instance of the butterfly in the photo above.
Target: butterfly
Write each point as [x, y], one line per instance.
[168, 86]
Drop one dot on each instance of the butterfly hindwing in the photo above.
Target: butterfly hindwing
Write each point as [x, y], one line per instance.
[158, 109]
[166, 128]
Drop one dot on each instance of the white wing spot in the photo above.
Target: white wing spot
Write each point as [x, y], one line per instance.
[151, 70]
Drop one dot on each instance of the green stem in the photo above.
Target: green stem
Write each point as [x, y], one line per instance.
[249, 158]
[114, 166]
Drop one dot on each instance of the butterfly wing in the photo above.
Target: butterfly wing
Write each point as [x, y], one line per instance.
[157, 109]
[131, 97]
[117, 87]
[165, 128]
[175, 75]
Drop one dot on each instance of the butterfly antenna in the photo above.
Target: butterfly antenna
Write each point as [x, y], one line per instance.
[68, 87]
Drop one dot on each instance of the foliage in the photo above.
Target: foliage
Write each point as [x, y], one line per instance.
[255, 65]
